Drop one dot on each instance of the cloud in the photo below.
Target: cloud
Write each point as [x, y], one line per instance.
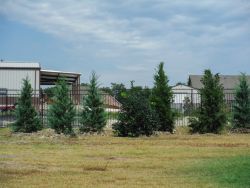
[74, 20]
[133, 36]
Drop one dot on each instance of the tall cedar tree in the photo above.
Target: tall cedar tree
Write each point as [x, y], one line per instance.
[137, 116]
[93, 117]
[211, 116]
[26, 115]
[241, 115]
[62, 111]
[161, 100]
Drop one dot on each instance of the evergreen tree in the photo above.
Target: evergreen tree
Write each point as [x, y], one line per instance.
[137, 116]
[211, 116]
[62, 111]
[162, 97]
[93, 118]
[26, 115]
[241, 115]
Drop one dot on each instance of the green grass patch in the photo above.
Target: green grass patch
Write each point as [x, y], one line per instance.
[224, 171]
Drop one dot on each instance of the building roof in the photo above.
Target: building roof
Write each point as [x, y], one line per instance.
[108, 100]
[47, 77]
[50, 77]
[229, 82]
[19, 65]
[182, 87]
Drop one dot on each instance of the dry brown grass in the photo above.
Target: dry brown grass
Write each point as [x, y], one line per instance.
[107, 161]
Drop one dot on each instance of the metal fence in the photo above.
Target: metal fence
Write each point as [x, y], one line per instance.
[187, 102]
[42, 103]
[184, 103]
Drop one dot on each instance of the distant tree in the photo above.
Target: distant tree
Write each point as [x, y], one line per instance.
[119, 91]
[107, 90]
[49, 92]
[241, 115]
[62, 111]
[26, 115]
[180, 83]
[147, 92]
[84, 84]
[162, 97]
[93, 118]
[137, 116]
[211, 116]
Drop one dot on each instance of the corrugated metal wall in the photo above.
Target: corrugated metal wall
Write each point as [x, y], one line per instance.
[12, 78]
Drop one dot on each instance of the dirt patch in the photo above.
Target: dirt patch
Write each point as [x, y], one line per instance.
[111, 158]
[96, 167]
[3, 156]
[45, 133]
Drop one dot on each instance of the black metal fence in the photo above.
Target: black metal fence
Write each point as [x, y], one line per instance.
[185, 103]
[42, 102]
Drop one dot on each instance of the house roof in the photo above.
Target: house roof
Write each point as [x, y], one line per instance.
[19, 65]
[181, 87]
[229, 82]
[47, 77]
[108, 100]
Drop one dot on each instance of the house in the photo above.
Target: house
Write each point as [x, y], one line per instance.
[184, 94]
[229, 82]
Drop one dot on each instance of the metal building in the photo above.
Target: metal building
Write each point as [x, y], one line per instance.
[12, 74]
[11, 82]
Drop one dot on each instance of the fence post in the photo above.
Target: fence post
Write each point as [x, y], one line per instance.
[41, 104]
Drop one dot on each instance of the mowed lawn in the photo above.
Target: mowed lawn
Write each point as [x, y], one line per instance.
[179, 160]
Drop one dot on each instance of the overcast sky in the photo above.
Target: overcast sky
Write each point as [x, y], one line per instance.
[124, 40]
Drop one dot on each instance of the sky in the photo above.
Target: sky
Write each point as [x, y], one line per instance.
[126, 40]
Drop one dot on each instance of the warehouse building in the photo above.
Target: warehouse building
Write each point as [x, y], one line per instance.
[13, 73]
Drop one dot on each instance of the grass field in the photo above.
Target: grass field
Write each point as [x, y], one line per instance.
[178, 160]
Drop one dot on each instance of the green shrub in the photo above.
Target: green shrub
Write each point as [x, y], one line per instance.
[26, 115]
[93, 117]
[211, 117]
[161, 100]
[241, 112]
[136, 117]
[62, 111]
